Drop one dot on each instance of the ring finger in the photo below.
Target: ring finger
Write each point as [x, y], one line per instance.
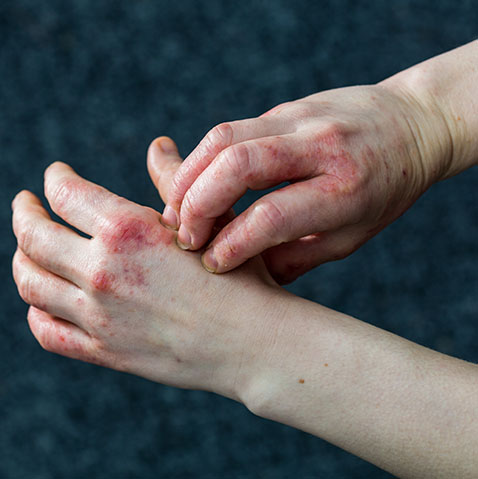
[46, 291]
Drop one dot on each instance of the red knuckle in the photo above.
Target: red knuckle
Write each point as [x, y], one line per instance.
[102, 281]
[331, 140]
[229, 247]
[127, 234]
[334, 130]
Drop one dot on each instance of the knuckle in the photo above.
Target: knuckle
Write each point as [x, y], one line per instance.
[334, 130]
[191, 208]
[60, 192]
[25, 287]
[45, 341]
[230, 248]
[331, 139]
[219, 137]
[129, 232]
[101, 280]
[300, 109]
[26, 237]
[42, 335]
[175, 187]
[270, 220]
[237, 159]
[277, 109]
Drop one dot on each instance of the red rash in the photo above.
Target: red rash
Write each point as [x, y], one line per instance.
[133, 273]
[129, 235]
[103, 280]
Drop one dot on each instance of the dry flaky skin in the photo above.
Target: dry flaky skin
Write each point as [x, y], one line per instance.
[129, 299]
[357, 158]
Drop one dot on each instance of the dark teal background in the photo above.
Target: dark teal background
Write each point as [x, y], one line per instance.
[92, 83]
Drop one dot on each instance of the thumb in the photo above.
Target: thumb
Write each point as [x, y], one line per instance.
[163, 162]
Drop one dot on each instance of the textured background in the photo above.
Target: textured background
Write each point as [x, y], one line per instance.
[91, 83]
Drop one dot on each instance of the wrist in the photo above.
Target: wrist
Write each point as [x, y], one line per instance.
[443, 95]
[285, 357]
[261, 316]
[247, 320]
[427, 122]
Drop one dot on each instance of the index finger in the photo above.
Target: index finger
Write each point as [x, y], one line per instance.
[257, 165]
[79, 202]
[218, 139]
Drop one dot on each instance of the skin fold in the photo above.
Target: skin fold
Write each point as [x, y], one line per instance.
[126, 297]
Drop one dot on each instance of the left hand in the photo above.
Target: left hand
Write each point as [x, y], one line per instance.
[127, 298]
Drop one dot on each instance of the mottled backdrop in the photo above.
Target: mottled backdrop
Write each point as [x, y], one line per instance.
[92, 83]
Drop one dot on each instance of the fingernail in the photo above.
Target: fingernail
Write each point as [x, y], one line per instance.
[170, 218]
[209, 261]
[184, 238]
[167, 145]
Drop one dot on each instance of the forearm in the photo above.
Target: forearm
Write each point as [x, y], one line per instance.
[447, 88]
[403, 407]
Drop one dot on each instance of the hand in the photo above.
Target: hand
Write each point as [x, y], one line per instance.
[355, 159]
[127, 298]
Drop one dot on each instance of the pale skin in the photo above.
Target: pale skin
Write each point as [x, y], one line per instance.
[356, 158]
[127, 298]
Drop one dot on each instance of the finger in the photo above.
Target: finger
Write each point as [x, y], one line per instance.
[255, 164]
[281, 216]
[46, 291]
[79, 202]
[47, 243]
[59, 336]
[163, 162]
[218, 139]
[288, 261]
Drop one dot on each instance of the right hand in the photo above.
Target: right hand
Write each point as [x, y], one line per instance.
[356, 158]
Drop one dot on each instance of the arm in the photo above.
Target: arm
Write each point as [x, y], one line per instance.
[407, 409]
[356, 159]
[128, 299]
